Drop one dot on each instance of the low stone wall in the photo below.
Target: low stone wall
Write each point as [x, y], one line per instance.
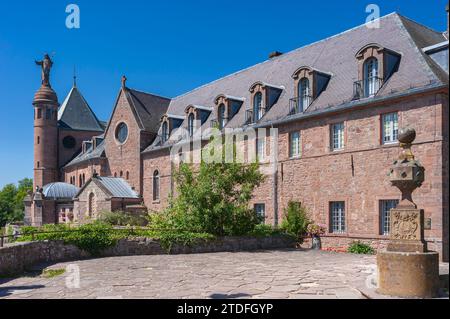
[16, 258]
[342, 243]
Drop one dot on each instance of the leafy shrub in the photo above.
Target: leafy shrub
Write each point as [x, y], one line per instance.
[215, 200]
[122, 219]
[358, 247]
[295, 220]
[97, 236]
[263, 230]
[92, 238]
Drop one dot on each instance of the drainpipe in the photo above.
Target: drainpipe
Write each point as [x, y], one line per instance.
[275, 179]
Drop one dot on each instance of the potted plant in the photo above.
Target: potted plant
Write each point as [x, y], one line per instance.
[315, 231]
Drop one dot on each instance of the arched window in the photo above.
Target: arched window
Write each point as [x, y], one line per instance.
[165, 132]
[371, 79]
[115, 174]
[121, 173]
[84, 179]
[221, 113]
[304, 95]
[156, 185]
[191, 120]
[258, 111]
[127, 175]
[91, 204]
[80, 180]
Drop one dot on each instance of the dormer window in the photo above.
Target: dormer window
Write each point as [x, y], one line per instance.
[197, 115]
[165, 132]
[309, 84]
[304, 94]
[376, 65]
[258, 109]
[264, 96]
[169, 122]
[227, 107]
[191, 124]
[221, 116]
[372, 82]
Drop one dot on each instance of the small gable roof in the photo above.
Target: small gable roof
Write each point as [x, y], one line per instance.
[76, 114]
[114, 187]
[90, 154]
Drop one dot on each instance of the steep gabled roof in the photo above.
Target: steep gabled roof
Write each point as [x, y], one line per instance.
[149, 109]
[146, 107]
[76, 114]
[335, 56]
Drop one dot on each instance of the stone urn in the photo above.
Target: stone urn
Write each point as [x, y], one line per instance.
[316, 242]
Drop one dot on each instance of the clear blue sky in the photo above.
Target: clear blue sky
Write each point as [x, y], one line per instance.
[164, 47]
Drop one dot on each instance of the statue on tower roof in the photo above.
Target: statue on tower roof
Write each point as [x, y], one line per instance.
[46, 64]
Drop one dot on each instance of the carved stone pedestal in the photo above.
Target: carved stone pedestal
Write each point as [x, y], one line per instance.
[407, 233]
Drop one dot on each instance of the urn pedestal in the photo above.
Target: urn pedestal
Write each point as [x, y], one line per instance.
[407, 268]
[407, 274]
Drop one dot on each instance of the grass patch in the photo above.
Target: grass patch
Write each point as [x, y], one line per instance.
[51, 273]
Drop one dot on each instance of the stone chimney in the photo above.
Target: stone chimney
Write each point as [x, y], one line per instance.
[275, 54]
[446, 9]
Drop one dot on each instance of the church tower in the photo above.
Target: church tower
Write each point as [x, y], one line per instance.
[45, 129]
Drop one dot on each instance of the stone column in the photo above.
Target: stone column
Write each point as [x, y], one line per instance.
[37, 211]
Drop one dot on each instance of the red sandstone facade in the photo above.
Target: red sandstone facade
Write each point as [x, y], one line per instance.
[355, 175]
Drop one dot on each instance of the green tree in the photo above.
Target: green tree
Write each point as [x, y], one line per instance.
[213, 199]
[295, 220]
[11, 201]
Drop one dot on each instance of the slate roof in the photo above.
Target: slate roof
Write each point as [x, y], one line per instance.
[76, 114]
[91, 153]
[59, 191]
[334, 55]
[113, 186]
[149, 108]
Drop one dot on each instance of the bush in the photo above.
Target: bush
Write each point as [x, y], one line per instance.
[295, 220]
[263, 230]
[358, 247]
[122, 219]
[98, 236]
[92, 238]
[215, 200]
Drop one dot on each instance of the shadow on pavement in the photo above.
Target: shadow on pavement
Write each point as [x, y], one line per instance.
[7, 291]
[231, 296]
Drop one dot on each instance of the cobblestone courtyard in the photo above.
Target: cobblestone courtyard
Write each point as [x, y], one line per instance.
[271, 274]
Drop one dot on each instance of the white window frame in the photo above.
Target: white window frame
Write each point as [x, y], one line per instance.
[389, 128]
[258, 211]
[337, 133]
[337, 217]
[296, 151]
[261, 148]
[385, 206]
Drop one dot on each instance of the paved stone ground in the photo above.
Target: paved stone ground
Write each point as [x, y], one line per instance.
[269, 274]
